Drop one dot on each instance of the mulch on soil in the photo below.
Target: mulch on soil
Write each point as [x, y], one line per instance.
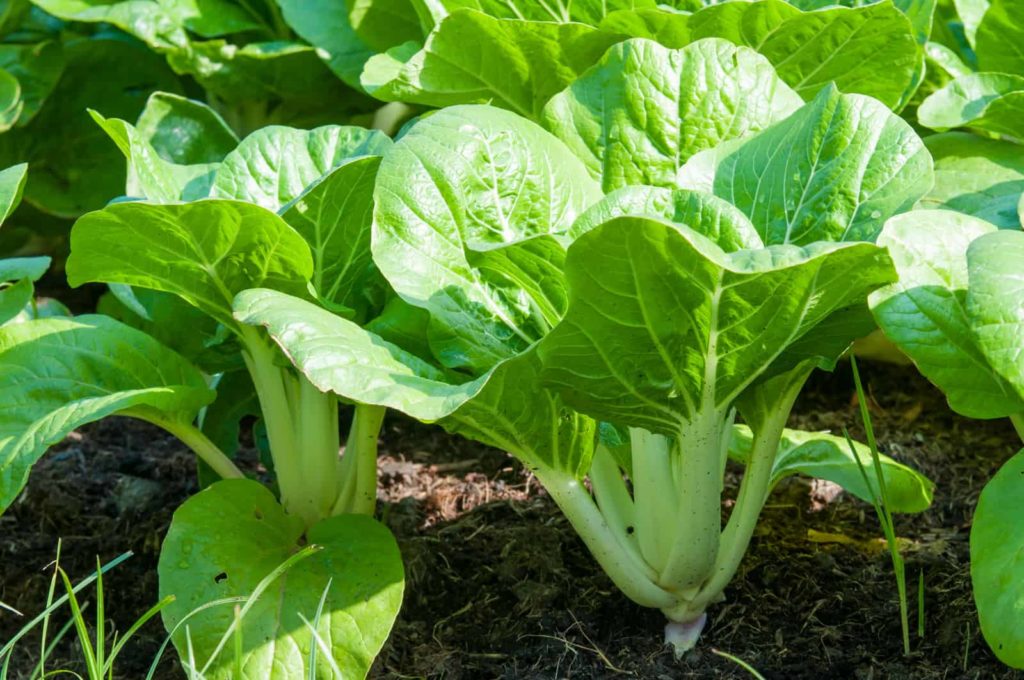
[499, 586]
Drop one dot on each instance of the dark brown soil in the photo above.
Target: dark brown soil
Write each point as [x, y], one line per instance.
[498, 585]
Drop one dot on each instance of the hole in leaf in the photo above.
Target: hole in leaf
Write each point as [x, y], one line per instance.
[630, 530]
[221, 577]
[257, 513]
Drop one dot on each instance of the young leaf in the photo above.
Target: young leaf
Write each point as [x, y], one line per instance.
[58, 374]
[630, 128]
[976, 176]
[997, 570]
[185, 131]
[472, 58]
[275, 164]
[868, 50]
[12, 185]
[835, 170]
[825, 456]
[926, 312]
[226, 539]
[204, 252]
[678, 325]
[467, 202]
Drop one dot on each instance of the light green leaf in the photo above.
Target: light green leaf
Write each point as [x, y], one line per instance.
[868, 50]
[204, 252]
[976, 176]
[73, 168]
[212, 18]
[472, 58]
[821, 455]
[662, 323]
[12, 185]
[227, 538]
[706, 214]
[560, 11]
[464, 191]
[920, 12]
[997, 562]
[505, 407]
[995, 302]
[632, 128]
[925, 313]
[10, 100]
[335, 216]
[150, 176]
[185, 131]
[16, 268]
[59, 374]
[15, 298]
[146, 20]
[275, 164]
[987, 101]
[835, 170]
[999, 36]
[382, 24]
[971, 13]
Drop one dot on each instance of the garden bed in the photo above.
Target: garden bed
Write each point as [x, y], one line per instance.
[498, 584]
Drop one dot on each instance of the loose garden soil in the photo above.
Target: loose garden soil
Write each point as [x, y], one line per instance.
[499, 586]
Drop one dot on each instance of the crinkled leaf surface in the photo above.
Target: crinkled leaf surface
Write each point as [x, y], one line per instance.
[466, 203]
[920, 12]
[821, 455]
[925, 313]
[275, 164]
[204, 252]
[662, 323]
[976, 176]
[835, 170]
[504, 407]
[995, 302]
[185, 131]
[224, 540]
[472, 57]
[987, 101]
[643, 110]
[73, 168]
[60, 373]
[997, 562]
[868, 50]
[335, 216]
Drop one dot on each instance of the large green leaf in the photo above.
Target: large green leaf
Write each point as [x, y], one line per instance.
[385, 23]
[17, 275]
[472, 57]
[227, 538]
[504, 407]
[466, 202]
[213, 18]
[997, 562]
[835, 170]
[995, 302]
[662, 324]
[920, 12]
[326, 25]
[631, 127]
[275, 164]
[706, 214]
[821, 455]
[868, 50]
[335, 216]
[73, 168]
[58, 374]
[999, 37]
[204, 252]
[976, 176]
[993, 102]
[148, 21]
[925, 313]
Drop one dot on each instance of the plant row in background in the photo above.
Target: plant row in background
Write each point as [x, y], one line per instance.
[615, 240]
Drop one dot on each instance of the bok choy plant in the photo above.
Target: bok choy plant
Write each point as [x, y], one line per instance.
[285, 209]
[590, 311]
[958, 312]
